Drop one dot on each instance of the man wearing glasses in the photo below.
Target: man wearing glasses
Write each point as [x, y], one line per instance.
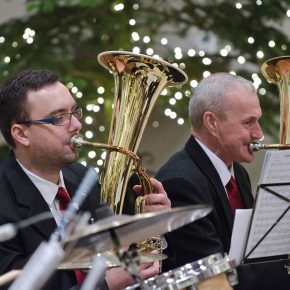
[38, 117]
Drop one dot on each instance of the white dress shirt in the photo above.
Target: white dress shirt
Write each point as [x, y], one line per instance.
[48, 191]
[224, 172]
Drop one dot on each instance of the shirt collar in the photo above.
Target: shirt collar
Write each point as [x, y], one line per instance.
[47, 189]
[223, 171]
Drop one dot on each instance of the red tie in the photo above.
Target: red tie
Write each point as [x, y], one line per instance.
[234, 195]
[64, 200]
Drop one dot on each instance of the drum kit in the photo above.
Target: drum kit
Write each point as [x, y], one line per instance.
[215, 272]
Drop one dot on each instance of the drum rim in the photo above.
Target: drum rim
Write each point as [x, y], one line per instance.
[190, 273]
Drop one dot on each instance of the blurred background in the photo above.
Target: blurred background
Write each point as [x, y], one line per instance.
[200, 37]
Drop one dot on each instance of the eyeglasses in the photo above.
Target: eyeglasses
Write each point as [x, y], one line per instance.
[61, 120]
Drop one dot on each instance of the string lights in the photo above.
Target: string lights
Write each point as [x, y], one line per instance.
[183, 52]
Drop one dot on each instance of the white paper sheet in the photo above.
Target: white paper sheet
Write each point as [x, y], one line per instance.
[269, 233]
[239, 234]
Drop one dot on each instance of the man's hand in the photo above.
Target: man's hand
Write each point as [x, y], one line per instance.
[155, 201]
[118, 278]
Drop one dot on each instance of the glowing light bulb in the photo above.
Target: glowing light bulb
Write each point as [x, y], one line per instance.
[206, 74]
[135, 36]
[89, 120]
[251, 40]
[191, 52]
[92, 154]
[136, 49]
[241, 59]
[172, 101]
[260, 54]
[89, 134]
[271, 43]
[164, 41]
[146, 39]
[119, 7]
[101, 90]
[178, 95]
[180, 121]
[223, 52]
[193, 83]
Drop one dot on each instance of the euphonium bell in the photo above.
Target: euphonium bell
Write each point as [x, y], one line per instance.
[139, 80]
[277, 71]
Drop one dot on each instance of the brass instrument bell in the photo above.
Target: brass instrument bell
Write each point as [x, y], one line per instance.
[277, 71]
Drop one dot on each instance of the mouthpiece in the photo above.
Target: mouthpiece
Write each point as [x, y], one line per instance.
[255, 146]
[76, 142]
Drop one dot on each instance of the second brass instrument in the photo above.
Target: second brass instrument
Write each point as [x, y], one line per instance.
[277, 71]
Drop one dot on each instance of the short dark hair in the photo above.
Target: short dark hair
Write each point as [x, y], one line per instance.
[13, 97]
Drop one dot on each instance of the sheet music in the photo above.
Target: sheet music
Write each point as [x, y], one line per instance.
[276, 167]
[271, 203]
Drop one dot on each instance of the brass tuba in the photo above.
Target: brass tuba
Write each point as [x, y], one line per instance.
[277, 71]
[139, 80]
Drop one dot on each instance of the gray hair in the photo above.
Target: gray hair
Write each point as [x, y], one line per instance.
[210, 95]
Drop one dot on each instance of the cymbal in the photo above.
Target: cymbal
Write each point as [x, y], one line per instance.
[121, 230]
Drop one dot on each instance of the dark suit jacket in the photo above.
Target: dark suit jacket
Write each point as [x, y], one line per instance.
[20, 199]
[189, 177]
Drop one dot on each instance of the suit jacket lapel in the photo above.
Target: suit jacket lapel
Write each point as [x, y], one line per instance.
[27, 195]
[70, 180]
[244, 187]
[203, 162]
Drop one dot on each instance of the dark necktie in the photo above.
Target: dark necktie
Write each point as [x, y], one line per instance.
[64, 200]
[234, 195]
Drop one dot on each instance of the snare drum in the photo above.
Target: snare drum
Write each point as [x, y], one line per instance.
[215, 272]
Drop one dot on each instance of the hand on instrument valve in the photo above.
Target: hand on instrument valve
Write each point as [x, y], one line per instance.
[155, 201]
[118, 278]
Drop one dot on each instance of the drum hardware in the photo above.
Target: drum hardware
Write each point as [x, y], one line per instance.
[214, 272]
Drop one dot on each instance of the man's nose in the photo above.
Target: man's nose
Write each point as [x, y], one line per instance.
[257, 132]
[75, 123]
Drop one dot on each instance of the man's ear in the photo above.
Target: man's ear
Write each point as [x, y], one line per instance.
[210, 121]
[19, 134]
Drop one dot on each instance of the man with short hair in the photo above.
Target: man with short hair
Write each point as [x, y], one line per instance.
[224, 112]
[38, 117]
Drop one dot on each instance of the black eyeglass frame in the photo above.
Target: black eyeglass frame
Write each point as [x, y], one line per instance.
[78, 113]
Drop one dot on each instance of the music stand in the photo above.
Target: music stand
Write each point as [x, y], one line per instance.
[269, 231]
[268, 238]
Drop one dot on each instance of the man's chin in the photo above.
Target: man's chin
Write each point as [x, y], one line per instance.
[72, 157]
[249, 158]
